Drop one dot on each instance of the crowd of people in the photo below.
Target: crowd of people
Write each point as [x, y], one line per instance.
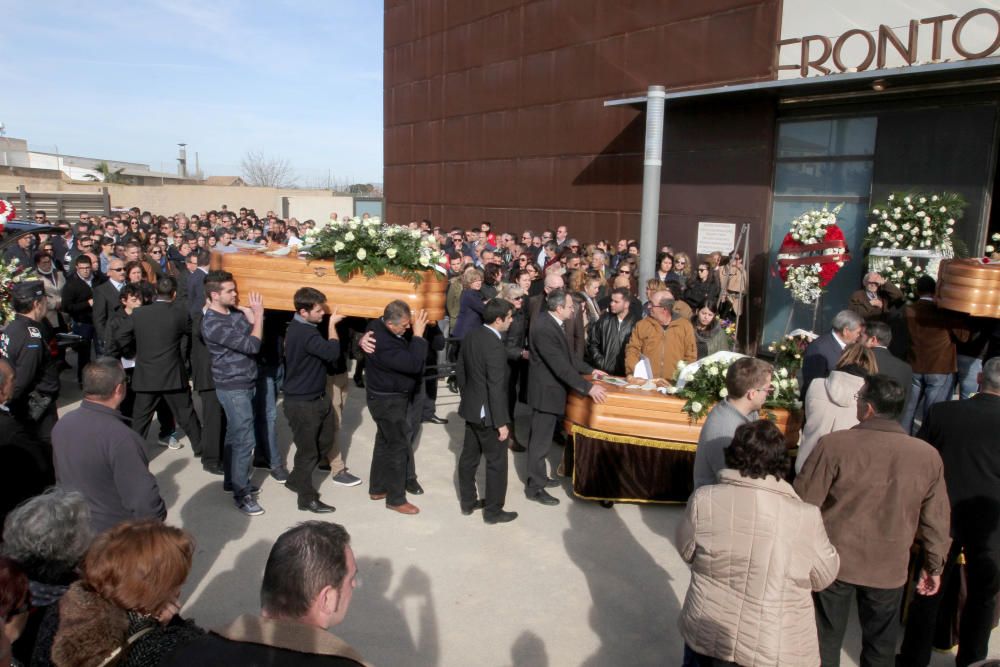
[777, 551]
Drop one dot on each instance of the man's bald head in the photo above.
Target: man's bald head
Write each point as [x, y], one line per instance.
[553, 282]
[663, 304]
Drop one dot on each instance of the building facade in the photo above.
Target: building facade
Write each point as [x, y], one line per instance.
[496, 110]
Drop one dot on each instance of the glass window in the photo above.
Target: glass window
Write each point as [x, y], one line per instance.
[833, 136]
[822, 178]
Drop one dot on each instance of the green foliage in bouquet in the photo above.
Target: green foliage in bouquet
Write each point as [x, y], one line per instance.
[789, 352]
[373, 248]
[708, 386]
[11, 272]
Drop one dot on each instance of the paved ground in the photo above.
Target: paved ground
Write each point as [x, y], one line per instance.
[571, 585]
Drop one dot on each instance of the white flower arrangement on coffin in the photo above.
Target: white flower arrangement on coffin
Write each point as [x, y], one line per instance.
[372, 248]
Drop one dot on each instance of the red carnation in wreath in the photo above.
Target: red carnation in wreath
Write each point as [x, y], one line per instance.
[7, 212]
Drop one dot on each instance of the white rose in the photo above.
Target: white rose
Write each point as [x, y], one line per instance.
[906, 199]
[696, 407]
[349, 236]
[934, 198]
[951, 231]
[943, 209]
[891, 197]
[415, 233]
[783, 372]
[723, 392]
[338, 246]
[361, 253]
[922, 200]
[951, 221]
[681, 364]
[424, 261]
[712, 370]
[391, 253]
[911, 281]
[875, 211]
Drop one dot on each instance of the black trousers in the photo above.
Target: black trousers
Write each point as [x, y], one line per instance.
[515, 379]
[543, 424]
[392, 444]
[878, 609]
[707, 661]
[428, 406]
[213, 428]
[180, 405]
[313, 428]
[163, 414]
[982, 573]
[482, 441]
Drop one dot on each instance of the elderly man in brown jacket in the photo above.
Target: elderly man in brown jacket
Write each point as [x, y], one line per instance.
[878, 489]
[661, 338]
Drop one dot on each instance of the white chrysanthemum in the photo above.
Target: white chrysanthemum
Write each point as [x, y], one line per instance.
[723, 392]
[391, 253]
[338, 246]
[349, 236]
[361, 254]
[696, 407]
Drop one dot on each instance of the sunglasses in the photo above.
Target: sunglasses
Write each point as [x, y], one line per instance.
[625, 273]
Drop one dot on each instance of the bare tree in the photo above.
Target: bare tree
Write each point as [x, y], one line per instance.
[264, 171]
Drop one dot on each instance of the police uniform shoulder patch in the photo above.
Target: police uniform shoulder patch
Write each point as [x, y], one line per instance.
[34, 332]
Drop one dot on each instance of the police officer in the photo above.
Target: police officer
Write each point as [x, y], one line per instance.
[25, 343]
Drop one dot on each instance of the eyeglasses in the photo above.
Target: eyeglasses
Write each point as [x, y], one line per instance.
[155, 252]
[517, 298]
[681, 262]
[625, 273]
[116, 269]
[767, 390]
[702, 268]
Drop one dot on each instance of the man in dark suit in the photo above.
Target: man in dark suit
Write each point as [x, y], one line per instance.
[482, 380]
[107, 300]
[553, 371]
[965, 434]
[573, 328]
[879, 337]
[196, 281]
[159, 368]
[78, 302]
[822, 355]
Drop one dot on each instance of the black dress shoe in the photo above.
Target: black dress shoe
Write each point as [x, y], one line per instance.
[436, 420]
[542, 496]
[478, 505]
[214, 470]
[452, 385]
[359, 382]
[413, 486]
[500, 517]
[316, 506]
[552, 483]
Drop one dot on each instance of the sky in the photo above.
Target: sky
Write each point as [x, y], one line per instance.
[299, 80]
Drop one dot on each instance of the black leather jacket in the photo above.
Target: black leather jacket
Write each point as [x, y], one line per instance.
[607, 341]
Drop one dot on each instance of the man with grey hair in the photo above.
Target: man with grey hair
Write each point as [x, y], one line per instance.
[823, 353]
[47, 536]
[876, 298]
[392, 372]
[102, 458]
[965, 434]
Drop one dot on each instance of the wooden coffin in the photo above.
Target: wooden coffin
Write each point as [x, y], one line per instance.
[650, 414]
[969, 286]
[277, 279]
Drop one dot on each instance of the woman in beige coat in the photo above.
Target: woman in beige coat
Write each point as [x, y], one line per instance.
[831, 403]
[757, 553]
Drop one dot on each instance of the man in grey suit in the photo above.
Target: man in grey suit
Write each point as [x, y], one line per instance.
[553, 372]
[482, 380]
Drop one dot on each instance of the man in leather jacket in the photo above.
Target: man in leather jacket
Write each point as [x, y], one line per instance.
[610, 334]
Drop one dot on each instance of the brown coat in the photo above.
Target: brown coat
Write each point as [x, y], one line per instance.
[889, 294]
[879, 490]
[757, 553]
[933, 332]
[664, 346]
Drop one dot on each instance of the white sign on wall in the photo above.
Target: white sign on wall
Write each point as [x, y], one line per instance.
[860, 35]
[716, 237]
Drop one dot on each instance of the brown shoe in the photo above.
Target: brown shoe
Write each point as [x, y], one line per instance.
[377, 496]
[515, 446]
[405, 508]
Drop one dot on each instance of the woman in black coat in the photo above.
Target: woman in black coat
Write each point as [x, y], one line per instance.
[703, 288]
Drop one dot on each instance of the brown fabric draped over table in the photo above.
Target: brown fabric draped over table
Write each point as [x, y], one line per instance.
[625, 468]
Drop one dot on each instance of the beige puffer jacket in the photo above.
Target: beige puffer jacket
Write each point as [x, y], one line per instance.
[757, 552]
[830, 406]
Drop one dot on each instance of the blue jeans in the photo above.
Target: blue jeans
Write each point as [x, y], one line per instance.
[969, 369]
[238, 454]
[269, 381]
[926, 390]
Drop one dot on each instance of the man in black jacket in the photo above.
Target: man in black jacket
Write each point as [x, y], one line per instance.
[482, 380]
[393, 371]
[78, 302]
[610, 334]
[965, 434]
[879, 338]
[307, 407]
[159, 368]
[107, 301]
[554, 370]
[213, 419]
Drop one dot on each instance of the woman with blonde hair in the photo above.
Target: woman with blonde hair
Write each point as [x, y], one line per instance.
[120, 611]
[832, 404]
[682, 267]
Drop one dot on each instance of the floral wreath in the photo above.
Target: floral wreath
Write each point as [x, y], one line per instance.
[913, 222]
[812, 253]
[7, 212]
